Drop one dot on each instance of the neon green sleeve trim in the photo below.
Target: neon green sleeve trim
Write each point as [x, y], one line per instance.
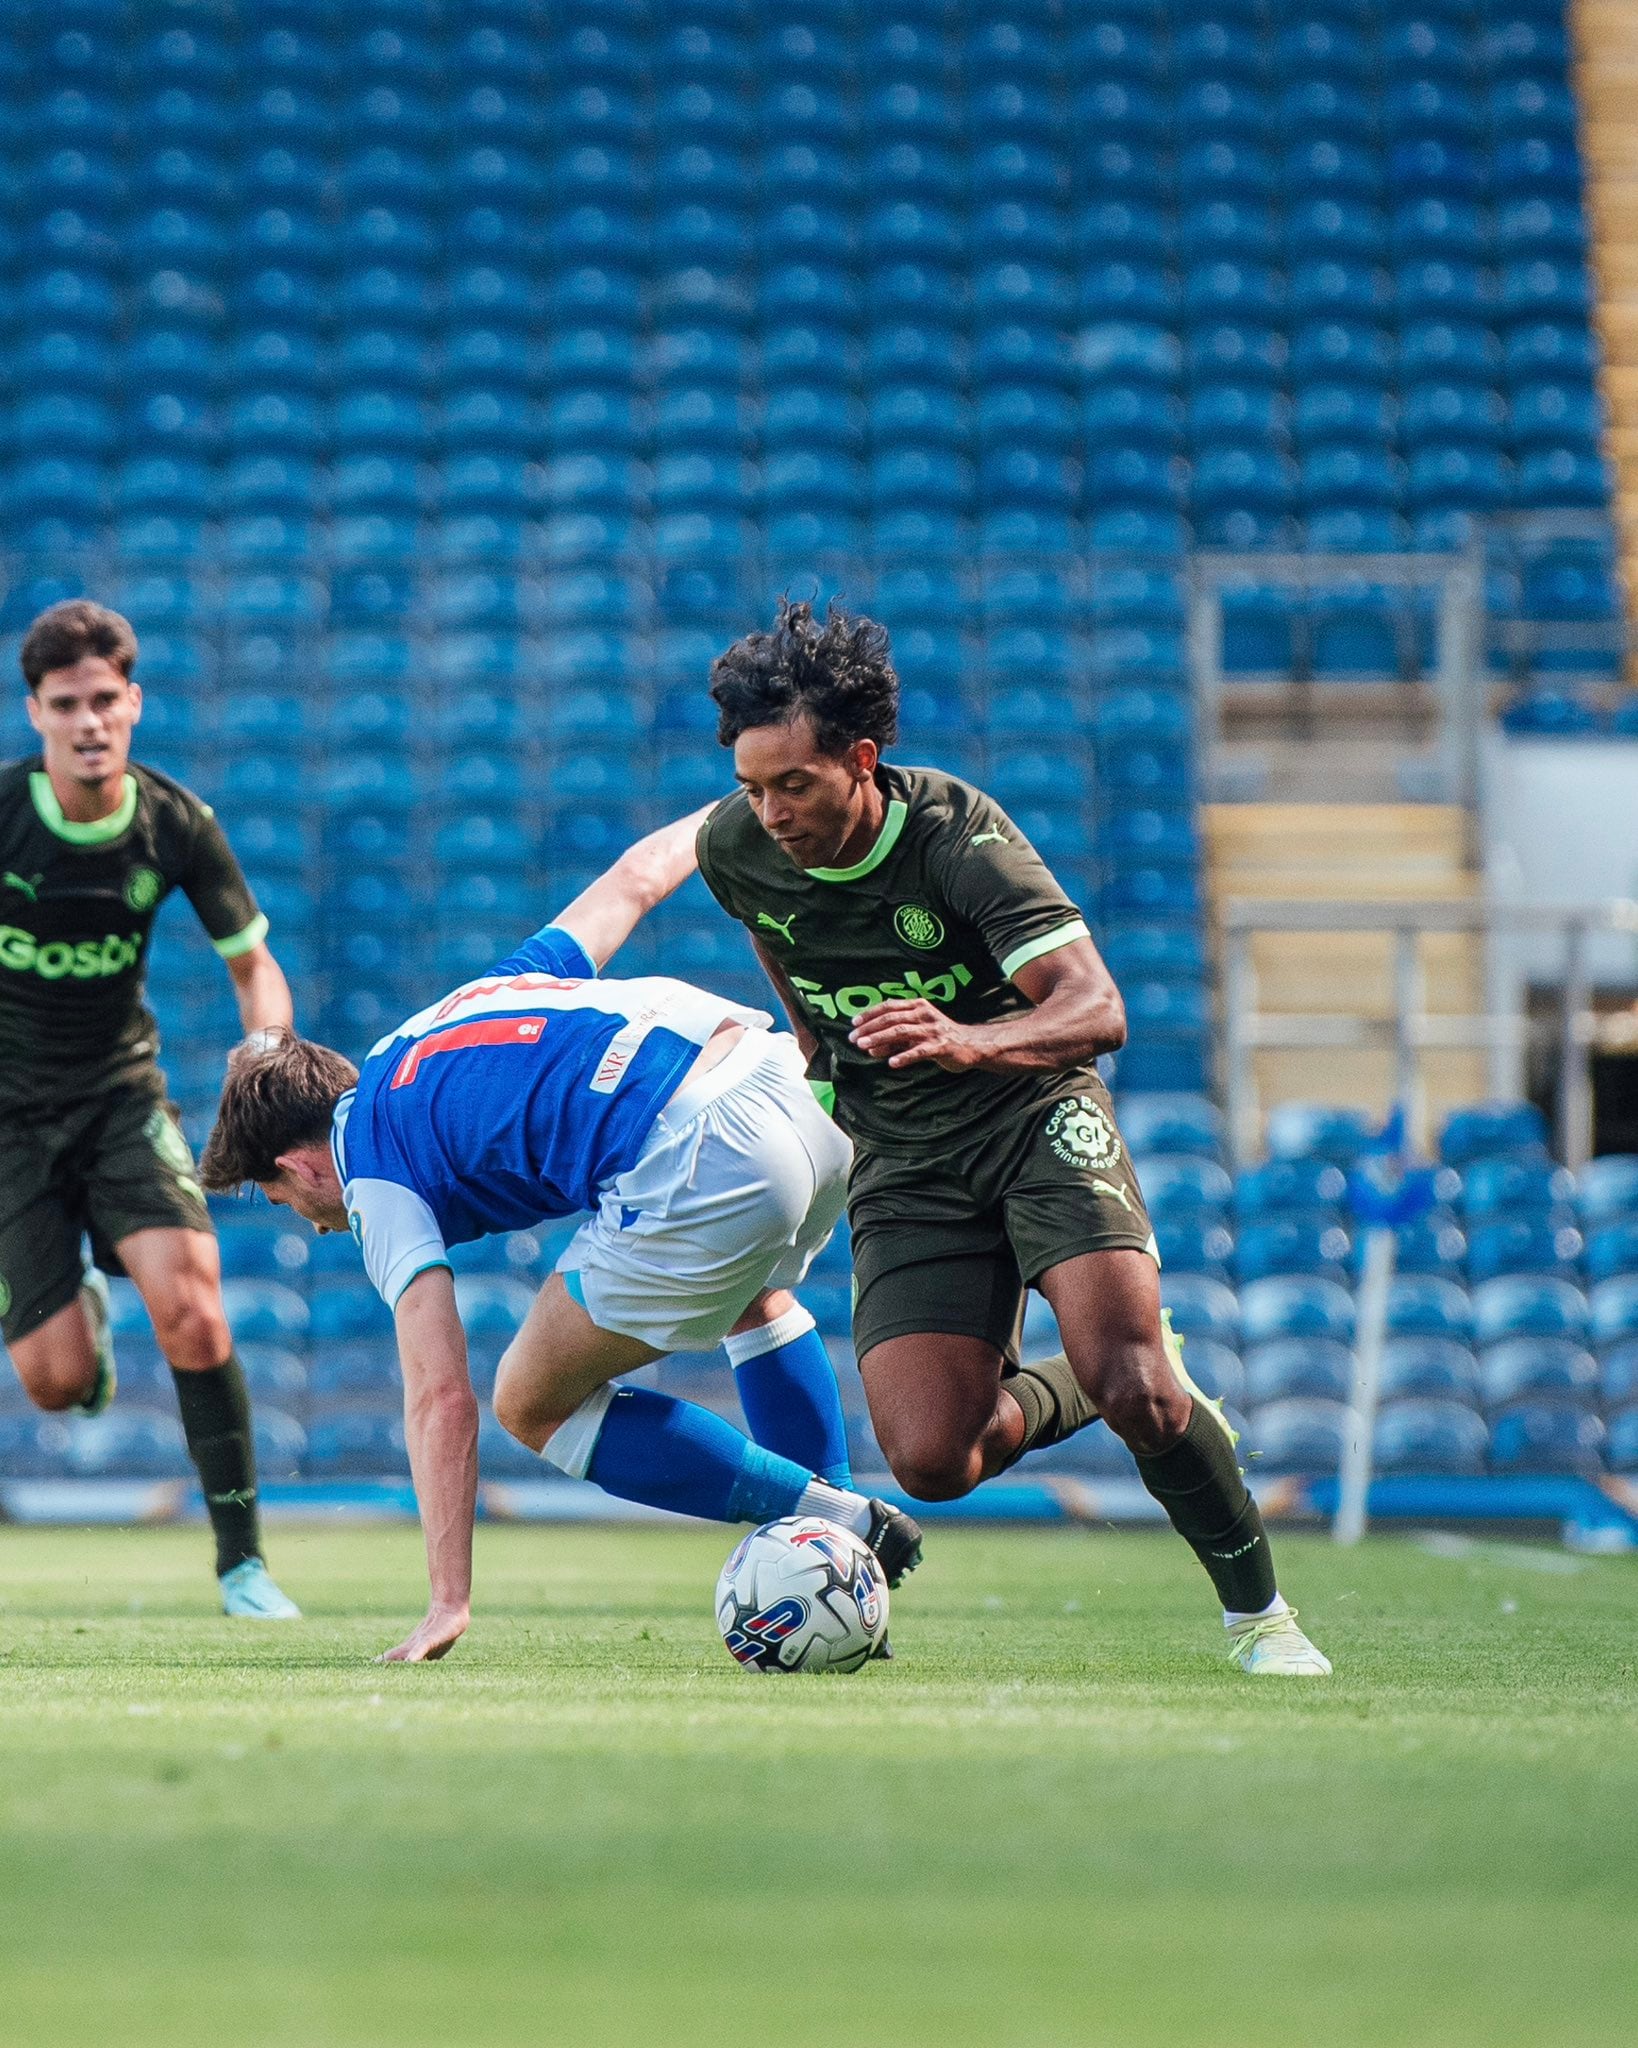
[824, 1093]
[241, 942]
[1049, 942]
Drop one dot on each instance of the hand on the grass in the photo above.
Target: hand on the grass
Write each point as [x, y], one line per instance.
[436, 1637]
[905, 1033]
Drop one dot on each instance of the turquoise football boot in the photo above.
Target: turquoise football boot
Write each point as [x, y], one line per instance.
[249, 1594]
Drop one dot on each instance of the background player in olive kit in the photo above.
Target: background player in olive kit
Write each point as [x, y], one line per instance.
[90, 846]
[949, 992]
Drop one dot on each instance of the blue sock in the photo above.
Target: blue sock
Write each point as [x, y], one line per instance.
[787, 1387]
[674, 1455]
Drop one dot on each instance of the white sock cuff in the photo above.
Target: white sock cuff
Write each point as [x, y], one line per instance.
[570, 1445]
[835, 1504]
[785, 1329]
[1276, 1606]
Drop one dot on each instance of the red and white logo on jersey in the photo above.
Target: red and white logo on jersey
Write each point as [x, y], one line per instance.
[482, 1031]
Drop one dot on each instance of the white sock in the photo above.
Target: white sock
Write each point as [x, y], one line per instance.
[1274, 1607]
[832, 1504]
[749, 1344]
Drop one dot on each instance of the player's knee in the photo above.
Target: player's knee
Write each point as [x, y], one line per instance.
[56, 1374]
[931, 1467]
[523, 1407]
[52, 1392]
[192, 1331]
[1142, 1400]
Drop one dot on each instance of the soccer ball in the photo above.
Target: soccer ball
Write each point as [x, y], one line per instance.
[802, 1594]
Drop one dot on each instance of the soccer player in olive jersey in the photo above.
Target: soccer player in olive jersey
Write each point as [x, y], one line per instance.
[90, 846]
[950, 994]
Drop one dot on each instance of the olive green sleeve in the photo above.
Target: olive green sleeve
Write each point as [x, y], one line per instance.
[214, 884]
[994, 879]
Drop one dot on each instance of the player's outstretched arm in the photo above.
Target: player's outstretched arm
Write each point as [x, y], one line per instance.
[604, 916]
[441, 1425]
[261, 991]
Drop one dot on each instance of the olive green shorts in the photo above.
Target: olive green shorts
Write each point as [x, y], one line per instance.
[103, 1168]
[951, 1242]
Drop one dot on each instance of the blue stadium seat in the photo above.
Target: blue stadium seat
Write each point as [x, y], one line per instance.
[1299, 1436]
[1424, 1367]
[1607, 1189]
[34, 1446]
[1518, 1245]
[1547, 1436]
[1490, 1129]
[1431, 1244]
[352, 1444]
[1179, 1186]
[1614, 1310]
[1201, 1307]
[1192, 1244]
[1526, 1306]
[1303, 1183]
[257, 1247]
[1305, 1368]
[1429, 1435]
[274, 1375]
[1520, 1367]
[1423, 1305]
[130, 1443]
[1293, 1306]
[1292, 1245]
[1621, 1449]
[265, 1312]
[1172, 1123]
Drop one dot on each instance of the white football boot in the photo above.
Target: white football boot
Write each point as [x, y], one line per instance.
[1272, 1646]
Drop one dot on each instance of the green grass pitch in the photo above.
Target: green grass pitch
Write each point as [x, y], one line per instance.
[1058, 1818]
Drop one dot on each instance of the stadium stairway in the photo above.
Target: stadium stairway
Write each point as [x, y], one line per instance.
[1347, 854]
[1606, 74]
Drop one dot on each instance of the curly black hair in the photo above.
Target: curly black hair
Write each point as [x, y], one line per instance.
[839, 673]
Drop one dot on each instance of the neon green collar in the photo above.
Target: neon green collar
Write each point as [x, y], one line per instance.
[886, 839]
[99, 830]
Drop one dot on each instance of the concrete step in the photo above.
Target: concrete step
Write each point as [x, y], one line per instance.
[1350, 854]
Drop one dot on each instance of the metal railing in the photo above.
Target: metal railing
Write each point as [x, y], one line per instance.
[1503, 1035]
[1458, 673]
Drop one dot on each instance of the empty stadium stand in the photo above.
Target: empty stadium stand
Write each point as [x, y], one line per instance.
[439, 387]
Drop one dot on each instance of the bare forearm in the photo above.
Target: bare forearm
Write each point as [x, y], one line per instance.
[1062, 1032]
[441, 1426]
[787, 996]
[604, 916]
[262, 993]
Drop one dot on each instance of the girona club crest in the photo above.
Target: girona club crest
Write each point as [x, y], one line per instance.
[1082, 1134]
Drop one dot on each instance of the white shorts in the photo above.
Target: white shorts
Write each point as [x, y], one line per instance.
[739, 1186]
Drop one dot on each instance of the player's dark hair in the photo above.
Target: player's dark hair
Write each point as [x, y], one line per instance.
[839, 673]
[68, 632]
[275, 1097]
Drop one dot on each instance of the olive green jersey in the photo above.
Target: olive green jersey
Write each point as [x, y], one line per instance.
[77, 905]
[948, 904]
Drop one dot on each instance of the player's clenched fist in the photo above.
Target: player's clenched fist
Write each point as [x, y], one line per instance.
[904, 1033]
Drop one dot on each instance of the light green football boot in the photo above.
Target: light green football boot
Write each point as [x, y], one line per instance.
[249, 1594]
[94, 1300]
[1273, 1646]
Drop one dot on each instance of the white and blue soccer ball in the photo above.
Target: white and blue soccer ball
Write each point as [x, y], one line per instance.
[802, 1594]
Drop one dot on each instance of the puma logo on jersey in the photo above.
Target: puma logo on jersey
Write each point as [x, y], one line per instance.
[993, 836]
[765, 923]
[29, 889]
